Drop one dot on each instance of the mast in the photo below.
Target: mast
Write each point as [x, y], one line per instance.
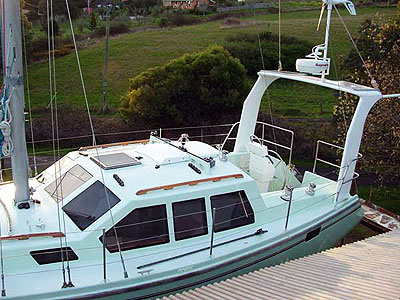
[14, 85]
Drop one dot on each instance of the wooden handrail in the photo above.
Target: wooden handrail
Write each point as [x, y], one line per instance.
[114, 144]
[191, 183]
[32, 235]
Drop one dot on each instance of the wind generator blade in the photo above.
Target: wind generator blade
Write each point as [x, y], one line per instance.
[321, 15]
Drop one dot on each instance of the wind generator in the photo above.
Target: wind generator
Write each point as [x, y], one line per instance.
[318, 62]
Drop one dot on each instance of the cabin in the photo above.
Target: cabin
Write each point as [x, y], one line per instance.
[178, 204]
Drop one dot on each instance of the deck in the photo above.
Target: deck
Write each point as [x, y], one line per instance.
[364, 270]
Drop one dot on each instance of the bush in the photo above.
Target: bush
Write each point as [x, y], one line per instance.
[163, 22]
[189, 90]
[231, 21]
[93, 22]
[55, 28]
[118, 28]
[246, 47]
[379, 44]
[39, 48]
[183, 20]
[115, 28]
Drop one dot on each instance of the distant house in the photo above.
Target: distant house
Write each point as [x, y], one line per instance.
[187, 4]
[88, 10]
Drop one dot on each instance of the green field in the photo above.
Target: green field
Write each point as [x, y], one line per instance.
[133, 53]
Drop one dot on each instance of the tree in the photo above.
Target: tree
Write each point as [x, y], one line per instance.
[190, 89]
[26, 28]
[141, 7]
[60, 9]
[54, 27]
[380, 46]
[93, 22]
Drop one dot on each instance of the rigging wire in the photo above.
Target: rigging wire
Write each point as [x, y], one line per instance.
[269, 99]
[6, 117]
[50, 36]
[279, 38]
[29, 101]
[337, 79]
[94, 138]
[69, 284]
[374, 83]
[261, 51]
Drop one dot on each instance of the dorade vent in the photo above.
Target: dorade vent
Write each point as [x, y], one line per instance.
[90, 205]
[115, 161]
[68, 182]
[54, 255]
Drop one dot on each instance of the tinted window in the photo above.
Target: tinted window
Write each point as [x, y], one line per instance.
[68, 182]
[142, 227]
[49, 256]
[189, 218]
[231, 210]
[90, 205]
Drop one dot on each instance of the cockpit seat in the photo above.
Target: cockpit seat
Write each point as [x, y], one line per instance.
[261, 167]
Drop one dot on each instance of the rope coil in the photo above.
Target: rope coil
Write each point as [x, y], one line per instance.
[6, 144]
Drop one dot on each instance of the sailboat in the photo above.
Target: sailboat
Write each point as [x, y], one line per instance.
[147, 218]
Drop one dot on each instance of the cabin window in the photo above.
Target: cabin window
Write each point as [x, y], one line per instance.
[231, 210]
[68, 182]
[54, 255]
[90, 205]
[143, 227]
[54, 169]
[189, 218]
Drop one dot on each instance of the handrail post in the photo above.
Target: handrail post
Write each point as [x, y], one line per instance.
[3, 289]
[316, 157]
[290, 190]
[104, 255]
[1, 171]
[212, 231]
[263, 133]
[291, 149]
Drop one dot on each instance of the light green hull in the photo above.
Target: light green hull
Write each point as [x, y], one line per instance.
[333, 229]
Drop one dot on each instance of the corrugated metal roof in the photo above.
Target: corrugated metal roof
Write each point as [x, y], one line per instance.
[368, 269]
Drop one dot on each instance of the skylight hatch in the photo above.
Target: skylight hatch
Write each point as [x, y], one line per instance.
[115, 161]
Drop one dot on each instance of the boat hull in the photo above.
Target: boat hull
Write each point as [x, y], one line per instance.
[322, 235]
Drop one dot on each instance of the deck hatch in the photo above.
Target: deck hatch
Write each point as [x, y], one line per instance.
[115, 161]
[53, 255]
[90, 205]
[68, 182]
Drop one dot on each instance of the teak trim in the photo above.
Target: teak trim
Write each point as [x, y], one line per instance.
[193, 182]
[114, 144]
[32, 235]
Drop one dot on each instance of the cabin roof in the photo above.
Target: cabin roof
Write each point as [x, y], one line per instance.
[156, 165]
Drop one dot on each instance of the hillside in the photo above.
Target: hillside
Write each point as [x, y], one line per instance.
[133, 53]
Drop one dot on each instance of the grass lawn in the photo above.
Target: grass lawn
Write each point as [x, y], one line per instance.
[133, 53]
[385, 197]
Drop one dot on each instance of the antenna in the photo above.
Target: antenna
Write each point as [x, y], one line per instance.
[317, 62]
